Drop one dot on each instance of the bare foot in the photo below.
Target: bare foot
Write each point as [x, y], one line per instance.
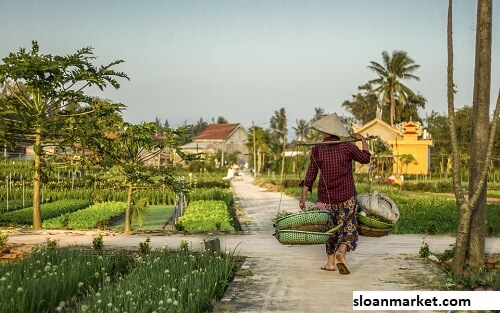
[341, 264]
[328, 268]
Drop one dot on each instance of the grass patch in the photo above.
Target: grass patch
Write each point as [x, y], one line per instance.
[158, 215]
[423, 213]
[486, 278]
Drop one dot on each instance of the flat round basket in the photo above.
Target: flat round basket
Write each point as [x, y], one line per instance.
[373, 232]
[318, 228]
[371, 222]
[295, 220]
[299, 237]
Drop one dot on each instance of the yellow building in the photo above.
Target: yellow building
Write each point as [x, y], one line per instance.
[410, 144]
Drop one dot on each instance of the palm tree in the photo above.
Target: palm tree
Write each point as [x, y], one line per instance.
[258, 143]
[395, 68]
[407, 159]
[303, 130]
[278, 125]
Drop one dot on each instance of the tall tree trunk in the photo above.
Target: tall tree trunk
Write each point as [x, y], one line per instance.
[257, 166]
[393, 106]
[260, 160]
[480, 126]
[465, 212]
[37, 183]
[128, 208]
[283, 160]
[471, 228]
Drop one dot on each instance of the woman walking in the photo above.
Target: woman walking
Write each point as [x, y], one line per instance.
[336, 189]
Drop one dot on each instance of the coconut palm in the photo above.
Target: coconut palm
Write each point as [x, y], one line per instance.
[303, 130]
[395, 68]
[278, 125]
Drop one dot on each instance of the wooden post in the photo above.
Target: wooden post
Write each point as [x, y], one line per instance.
[212, 245]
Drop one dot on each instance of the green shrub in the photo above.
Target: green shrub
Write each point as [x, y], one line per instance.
[49, 210]
[444, 186]
[482, 278]
[3, 241]
[98, 243]
[212, 184]
[418, 186]
[145, 247]
[447, 254]
[225, 195]
[431, 228]
[102, 224]
[424, 250]
[206, 215]
[15, 205]
[64, 221]
[95, 216]
[287, 183]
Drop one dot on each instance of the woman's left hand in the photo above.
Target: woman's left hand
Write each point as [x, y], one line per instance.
[357, 136]
[302, 204]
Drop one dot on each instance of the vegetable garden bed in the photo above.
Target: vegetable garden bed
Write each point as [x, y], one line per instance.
[78, 279]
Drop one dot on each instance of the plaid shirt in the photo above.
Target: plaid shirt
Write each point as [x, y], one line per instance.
[336, 180]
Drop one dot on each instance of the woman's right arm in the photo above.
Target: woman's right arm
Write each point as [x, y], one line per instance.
[364, 144]
[308, 181]
[303, 197]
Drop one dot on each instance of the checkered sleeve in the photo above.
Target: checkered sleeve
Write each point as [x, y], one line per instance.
[361, 156]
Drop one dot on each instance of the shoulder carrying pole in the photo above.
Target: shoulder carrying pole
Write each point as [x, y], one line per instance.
[302, 143]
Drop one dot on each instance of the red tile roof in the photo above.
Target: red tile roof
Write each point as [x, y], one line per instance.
[217, 132]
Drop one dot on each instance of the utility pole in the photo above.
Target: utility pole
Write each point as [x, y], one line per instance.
[284, 148]
[254, 153]
[283, 157]
[222, 153]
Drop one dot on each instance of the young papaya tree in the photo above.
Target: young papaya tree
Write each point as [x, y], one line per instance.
[50, 85]
[129, 150]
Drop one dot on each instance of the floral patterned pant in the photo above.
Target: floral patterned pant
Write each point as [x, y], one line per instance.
[345, 213]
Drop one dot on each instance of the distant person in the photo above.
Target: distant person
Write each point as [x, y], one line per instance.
[336, 189]
[395, 179]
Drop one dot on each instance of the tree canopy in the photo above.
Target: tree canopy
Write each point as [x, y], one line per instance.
[44, 94]
[130, 148]
[394, 69]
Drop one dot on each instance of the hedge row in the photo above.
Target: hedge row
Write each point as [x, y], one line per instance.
[95, 216]
[49, 210]
[206, 215]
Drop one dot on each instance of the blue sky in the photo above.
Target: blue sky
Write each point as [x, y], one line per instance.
[244, 60]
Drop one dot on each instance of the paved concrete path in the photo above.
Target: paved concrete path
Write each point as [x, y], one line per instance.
[286, 278]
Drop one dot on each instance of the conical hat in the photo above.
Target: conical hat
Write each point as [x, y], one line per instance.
[331, 124]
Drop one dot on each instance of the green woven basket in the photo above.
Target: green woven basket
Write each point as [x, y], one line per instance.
[302, 218]
[374, 223]
[368, 231]
[298, 237]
